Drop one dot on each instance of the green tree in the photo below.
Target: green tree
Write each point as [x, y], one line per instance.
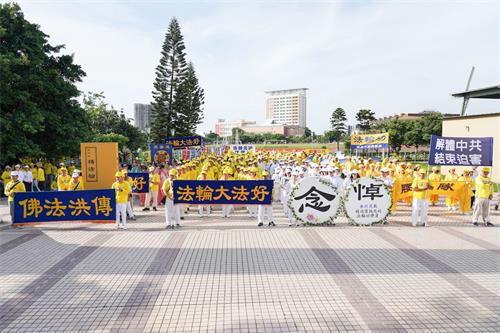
[365, 119]
[397, 129]
[431, 124]
[338, 125]
[111, 137]
[106, 120]
[414, 135]
[39, 113]
[189, 104]
[170, 73]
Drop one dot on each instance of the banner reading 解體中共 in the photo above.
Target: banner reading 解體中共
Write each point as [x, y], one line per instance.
[225, 192]
[453, 189]
[369, 141]
[140, 182]
[461, 151]
[161, 153]
[57, 206]
[184, 141]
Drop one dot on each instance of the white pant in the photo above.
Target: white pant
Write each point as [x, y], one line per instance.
[35, 185]
[226, 209]
[419, 207]
[252, 210]
[265, 210]
[481, 209]
[154, 195]
[130, 211]
[202, 208]
[121, 210]
[171, 213]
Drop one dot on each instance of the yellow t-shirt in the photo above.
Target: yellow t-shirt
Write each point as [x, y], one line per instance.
[6, 177]
[13, 187]
[76, 186]
[155, 178]
[63, 182]
[420, 184]
[484, 187]
[122, 191]
[39, 174]
[168, 189]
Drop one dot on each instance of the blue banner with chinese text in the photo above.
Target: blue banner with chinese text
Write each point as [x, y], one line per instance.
[161, 153]
[461, 151]
[140, 182]
[184, 141]
[57, 206]
[223, 192]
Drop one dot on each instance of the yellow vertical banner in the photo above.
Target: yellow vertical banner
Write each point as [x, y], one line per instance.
[99, 164]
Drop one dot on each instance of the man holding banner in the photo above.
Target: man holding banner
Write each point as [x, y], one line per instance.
[484, 193]
[122, 192]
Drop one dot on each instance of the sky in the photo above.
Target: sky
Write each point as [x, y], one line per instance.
[389, 56]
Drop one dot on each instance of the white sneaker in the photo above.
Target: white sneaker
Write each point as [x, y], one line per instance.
[124, 227]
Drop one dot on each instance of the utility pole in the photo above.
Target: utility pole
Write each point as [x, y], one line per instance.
[466, 99]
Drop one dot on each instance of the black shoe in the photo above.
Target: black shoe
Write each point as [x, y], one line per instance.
[496, 207]
[489, 224]
[182, 217]
[133, 218]
[168, 227]
[154, 208]
[271, 224]
[145, 209]
[475, 223]
[260, 224]
[178, 225]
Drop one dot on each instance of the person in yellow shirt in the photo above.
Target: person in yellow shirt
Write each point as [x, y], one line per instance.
[12, 187]
[484, 193]
[63, 180]
[130, 209]
[122, 192]
[265, 210]
[469, 182]
[451, 177]
[75, 184]
[6, 177]
[419, 186]
[172, 212]
[435, 176]
[252, 210]
[38, 177]
[154, 183]
[227, 175]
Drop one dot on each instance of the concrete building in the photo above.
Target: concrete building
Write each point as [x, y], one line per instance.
[142, 116]
[224, 128]
[287, 107]
[413, 116]
[273, 128]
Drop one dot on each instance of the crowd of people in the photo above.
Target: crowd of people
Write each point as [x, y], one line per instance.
[284, 168]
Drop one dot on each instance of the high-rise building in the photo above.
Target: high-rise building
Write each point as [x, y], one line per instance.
[287, 107]
[142, 116]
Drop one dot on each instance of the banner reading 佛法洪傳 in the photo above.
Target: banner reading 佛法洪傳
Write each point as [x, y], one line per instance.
[89, 205]
[461, 151]
[184, 141]
[223, 192]
[457, 190]
[140, 182]
[369, 141]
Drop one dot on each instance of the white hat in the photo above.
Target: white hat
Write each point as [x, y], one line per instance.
[329, 168]
[14, 173]
[288, 170]
[301, 172]
[76, 174]
[295, 173]
[355, 171]
[384, 170]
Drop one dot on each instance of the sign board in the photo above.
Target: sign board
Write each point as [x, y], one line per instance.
[369, 141]
[140, 182]
[461, 151]
[99, 164]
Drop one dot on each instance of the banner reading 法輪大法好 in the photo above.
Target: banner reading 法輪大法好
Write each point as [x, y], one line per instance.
[184, 141]
[89, 205]
[140, 182]
[369, 141]
[461, 151]
[215, 192]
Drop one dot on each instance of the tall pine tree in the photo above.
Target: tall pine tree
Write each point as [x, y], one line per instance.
[338, 123]
[170, 73]
[189, 104]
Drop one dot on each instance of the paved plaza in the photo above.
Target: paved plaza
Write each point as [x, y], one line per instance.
[227, 275]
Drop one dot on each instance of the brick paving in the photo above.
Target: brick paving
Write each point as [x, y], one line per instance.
[227, 275]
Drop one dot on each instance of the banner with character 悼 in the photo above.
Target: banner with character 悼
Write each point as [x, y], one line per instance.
[461, 151]
[225, 192]
[367, 201]
[140, 182]
[58, 206]
[314, 201]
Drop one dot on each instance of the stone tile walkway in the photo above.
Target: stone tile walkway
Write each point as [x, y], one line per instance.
[227, 275]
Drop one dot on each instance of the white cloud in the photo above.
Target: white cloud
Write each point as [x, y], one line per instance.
[389, 56]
